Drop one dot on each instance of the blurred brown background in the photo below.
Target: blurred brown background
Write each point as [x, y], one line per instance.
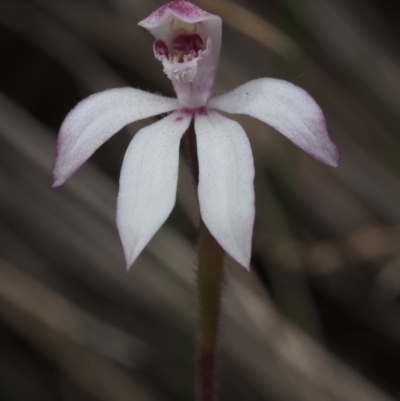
[317, 319]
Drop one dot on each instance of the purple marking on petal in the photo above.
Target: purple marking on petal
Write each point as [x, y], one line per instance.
[287, 108]
[181, 7]
[187, 112]
[160, 48]
[202, 111]
[96, 119]
[184, 113]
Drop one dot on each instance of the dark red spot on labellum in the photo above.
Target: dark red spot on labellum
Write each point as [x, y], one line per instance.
[202, 111]
[185, 43]
[160, 48]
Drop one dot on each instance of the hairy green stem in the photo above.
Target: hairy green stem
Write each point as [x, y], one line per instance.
[210, 277]
[209, 288]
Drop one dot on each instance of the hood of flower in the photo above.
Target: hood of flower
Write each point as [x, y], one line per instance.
[184, 10]
[187, 43]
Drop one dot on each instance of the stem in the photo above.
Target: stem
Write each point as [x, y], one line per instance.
[190, 149]
[210, 276]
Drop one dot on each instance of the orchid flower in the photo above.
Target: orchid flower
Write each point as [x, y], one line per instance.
[187, 43]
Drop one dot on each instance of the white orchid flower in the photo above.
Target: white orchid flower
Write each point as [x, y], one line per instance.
[187, 42]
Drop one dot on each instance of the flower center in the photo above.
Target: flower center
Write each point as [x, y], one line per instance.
[188, 43]
[183, 48]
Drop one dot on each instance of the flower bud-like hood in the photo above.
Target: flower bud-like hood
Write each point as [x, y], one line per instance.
[188, 41]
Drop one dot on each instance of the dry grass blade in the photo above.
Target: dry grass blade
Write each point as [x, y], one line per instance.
[307, 369]
[66, 336]
[253, 26]
[47, 34]
[30, 297]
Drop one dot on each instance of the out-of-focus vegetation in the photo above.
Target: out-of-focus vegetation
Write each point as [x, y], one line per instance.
[317, 319]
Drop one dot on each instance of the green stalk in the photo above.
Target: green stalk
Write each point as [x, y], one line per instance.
[210, 276]
[210, 271]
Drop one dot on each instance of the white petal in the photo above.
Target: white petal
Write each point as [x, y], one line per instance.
[226, 191]
[287, 108]
[96, 119]
[148, 182]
